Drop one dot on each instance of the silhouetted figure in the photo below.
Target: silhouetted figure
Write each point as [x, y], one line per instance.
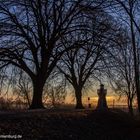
[89, 104]
[102, 104]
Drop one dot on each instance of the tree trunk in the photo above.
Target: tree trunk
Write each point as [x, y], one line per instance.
[130, 106]
[78, 95]
[37, 95]
[27, 98]
[136, 66]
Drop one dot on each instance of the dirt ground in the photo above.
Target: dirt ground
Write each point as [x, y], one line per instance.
[69, 125]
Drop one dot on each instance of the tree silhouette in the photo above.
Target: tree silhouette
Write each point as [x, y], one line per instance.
[129, 12]
[55, 90]
[30, 34]
[79, 64]
[22, 85]
[121, 74]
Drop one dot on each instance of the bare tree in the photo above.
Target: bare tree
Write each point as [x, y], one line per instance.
[3, 80]
[55, 90]
[121, 74]
[23, 86]
[30, 34]
[78, 65]
[129, 15]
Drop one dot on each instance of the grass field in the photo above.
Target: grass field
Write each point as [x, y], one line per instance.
[69, 125]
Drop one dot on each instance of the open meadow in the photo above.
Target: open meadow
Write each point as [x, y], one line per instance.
[69, 125]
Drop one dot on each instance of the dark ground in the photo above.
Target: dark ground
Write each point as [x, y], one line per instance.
[70, 125]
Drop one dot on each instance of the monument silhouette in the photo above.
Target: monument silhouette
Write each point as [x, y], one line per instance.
[102, 104]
